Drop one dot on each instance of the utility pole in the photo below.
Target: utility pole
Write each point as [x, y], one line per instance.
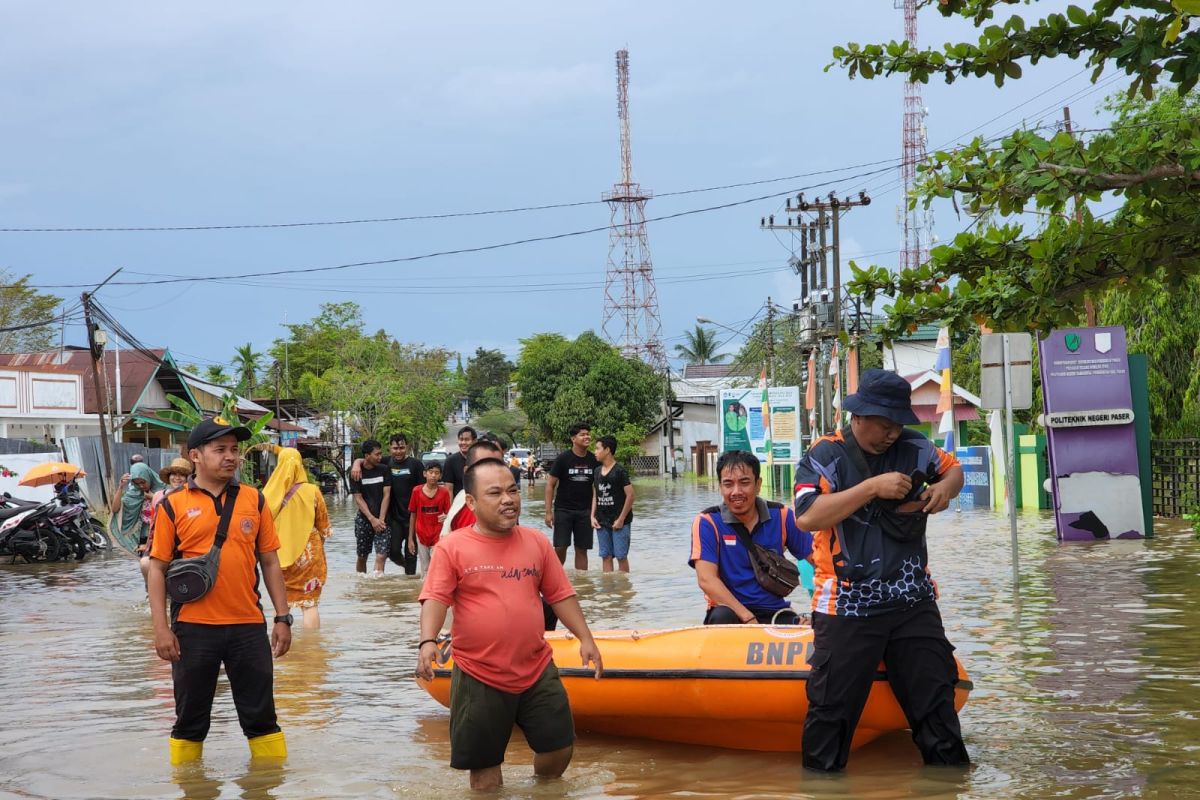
[96, 340]
[669, 418]
[771, 339]
[1089, 305]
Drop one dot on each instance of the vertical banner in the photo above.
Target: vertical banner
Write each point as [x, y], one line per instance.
[743, 426]
[810, 394]
[1089, 427]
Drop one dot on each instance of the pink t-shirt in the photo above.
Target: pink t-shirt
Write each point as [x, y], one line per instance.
[495, 586]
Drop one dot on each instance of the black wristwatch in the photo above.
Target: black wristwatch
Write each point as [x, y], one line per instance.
[286, 619]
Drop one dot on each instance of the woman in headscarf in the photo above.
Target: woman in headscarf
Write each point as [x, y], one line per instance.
[174, 475]
[302, 522]
[132, 512]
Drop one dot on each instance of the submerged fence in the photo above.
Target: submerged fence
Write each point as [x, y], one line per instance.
[1175, 476]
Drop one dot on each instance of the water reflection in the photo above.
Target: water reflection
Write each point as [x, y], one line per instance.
[1087, 687]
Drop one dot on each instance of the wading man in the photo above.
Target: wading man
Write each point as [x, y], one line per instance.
[372, 495]
[406, 474]
[494, 574]
[569, 514]
[720, 542]
[866, 493]
[225, 625]
[612, 506]
[456, 463]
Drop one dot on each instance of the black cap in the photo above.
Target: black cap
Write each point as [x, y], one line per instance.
[882, 394]
[214, 428]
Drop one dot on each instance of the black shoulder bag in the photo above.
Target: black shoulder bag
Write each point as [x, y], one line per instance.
[772, 570]
[189, 579]
[902, 526]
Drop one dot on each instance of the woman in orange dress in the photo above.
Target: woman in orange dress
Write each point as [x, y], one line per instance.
[302, 522]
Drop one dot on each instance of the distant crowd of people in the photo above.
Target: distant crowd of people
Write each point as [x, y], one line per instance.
[862, 497]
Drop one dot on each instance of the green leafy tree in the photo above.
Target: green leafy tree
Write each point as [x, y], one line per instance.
[701, 347]
[378, 385]
[21, 304]
[1165, 325]
[487, 370]
[587, 380]
[512, 425]
[1003, 274]
[215, 373]
[245, 364]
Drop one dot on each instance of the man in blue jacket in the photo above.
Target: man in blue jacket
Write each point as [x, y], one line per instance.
[719, 556]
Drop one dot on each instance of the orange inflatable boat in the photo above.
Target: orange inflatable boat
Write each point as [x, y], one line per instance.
[736, 686]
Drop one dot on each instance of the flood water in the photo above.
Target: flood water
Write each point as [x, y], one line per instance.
[1089, 686]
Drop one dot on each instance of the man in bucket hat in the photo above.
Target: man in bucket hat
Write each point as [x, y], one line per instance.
[865, 492]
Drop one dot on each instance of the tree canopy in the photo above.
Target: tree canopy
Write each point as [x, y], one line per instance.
[487, 370]
[383, 386]
[701, 347]
[562, 382]
[20, 305]
[1004, 274]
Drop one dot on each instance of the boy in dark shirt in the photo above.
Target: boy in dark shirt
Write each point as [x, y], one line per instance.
[372, 493]
[569, 515]
[612, 506]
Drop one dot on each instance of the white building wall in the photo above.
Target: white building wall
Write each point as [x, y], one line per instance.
[909, 358]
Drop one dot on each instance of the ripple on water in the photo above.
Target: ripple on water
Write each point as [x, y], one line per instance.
[1087, 683]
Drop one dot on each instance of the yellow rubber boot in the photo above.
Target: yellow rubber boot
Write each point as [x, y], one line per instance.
[271, 745]
[184, 750]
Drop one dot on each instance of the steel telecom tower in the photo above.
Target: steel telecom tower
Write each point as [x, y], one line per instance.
[631, 318]
[916, 225]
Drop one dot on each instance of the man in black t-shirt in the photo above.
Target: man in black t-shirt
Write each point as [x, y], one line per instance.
[406, 474]
[372, 493]
[456, 463]
[612, 506]
[570, 514]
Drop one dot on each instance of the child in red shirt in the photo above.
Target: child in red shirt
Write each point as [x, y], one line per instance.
[426, 511]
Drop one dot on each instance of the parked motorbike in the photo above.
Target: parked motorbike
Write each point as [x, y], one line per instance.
[55, 530]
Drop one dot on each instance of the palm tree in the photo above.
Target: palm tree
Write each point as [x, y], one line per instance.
[701, 347]
[215, 373]
[245, 363]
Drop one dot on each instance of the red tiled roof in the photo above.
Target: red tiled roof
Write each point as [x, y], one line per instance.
[137, 370]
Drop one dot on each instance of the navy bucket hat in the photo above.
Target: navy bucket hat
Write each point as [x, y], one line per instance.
[882, 394]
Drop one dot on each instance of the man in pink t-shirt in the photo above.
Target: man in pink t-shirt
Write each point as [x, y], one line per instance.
[494, 574]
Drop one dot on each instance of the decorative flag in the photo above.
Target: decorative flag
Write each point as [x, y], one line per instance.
[999, 467]
[766, 417]
[945, 405]
[852, 370]
[835, 371]
[810, 394]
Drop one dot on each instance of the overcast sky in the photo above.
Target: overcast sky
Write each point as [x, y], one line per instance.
[151, 114]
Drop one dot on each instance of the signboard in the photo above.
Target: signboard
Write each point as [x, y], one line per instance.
[742, 426]
[977, 473]
[1109, 416]
[991, 369]
[1092, 443]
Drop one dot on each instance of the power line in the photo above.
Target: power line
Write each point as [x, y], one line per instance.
[420, 217]
[467, 250]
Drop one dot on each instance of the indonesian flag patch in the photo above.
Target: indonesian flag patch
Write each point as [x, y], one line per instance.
[730, 539]
[803, 489]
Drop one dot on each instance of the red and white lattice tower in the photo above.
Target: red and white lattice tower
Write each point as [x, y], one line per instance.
[916, 224]
[631, 320]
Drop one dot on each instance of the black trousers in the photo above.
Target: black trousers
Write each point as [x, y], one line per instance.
[245, 651]
[920, 668]
[400, 555]
[723, 615]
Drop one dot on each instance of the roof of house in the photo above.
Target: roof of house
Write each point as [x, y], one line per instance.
[923, 333]
[693, 371]
[137, 370]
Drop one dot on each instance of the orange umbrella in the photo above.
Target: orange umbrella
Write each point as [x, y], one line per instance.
[47, 474]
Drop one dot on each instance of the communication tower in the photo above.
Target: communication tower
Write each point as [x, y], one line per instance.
[631, 319]
[916, 224]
